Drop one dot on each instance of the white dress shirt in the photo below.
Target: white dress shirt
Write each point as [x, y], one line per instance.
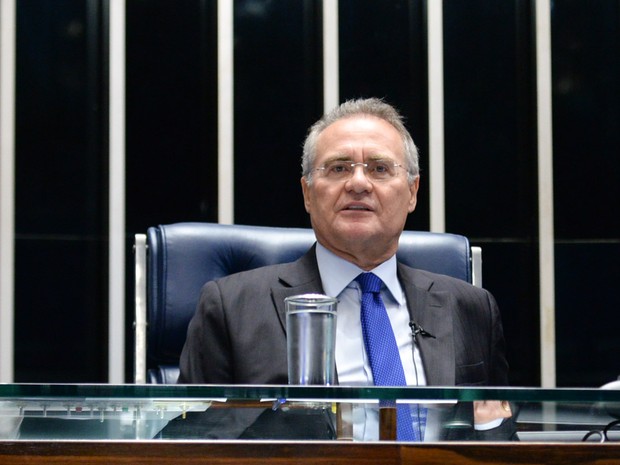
[352, 364]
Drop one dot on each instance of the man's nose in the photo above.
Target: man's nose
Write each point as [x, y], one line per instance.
[358, 181]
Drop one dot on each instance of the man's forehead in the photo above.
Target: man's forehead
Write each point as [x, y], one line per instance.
[370, 134]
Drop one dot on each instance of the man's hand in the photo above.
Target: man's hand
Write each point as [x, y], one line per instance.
[489, 410]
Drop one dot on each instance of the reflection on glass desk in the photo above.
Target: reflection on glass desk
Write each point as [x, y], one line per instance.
[568, 422]
[160, 412]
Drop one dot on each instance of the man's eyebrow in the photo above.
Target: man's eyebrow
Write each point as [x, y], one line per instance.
[338, 157]
[346, 157]
[379, 156]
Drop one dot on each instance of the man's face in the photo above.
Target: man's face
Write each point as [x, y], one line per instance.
[358, 219]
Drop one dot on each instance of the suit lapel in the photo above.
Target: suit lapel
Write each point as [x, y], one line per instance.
[300, 277]
[432, 311]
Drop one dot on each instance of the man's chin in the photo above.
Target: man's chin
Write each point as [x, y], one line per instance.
[359, 232]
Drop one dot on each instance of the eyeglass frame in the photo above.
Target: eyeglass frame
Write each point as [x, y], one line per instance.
[604, 433]
[365, 166]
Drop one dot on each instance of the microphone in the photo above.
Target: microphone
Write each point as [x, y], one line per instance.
[417, 329]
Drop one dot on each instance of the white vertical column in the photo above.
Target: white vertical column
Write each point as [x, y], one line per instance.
[226, 110]
[436, 115]
[116, 329]
[7, 188]
[545, 194]
[331, 59]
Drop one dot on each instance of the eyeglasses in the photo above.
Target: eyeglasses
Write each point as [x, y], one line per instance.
[605, 434]
[375, 170]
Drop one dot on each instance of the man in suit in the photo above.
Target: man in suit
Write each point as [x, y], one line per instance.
[360, 181]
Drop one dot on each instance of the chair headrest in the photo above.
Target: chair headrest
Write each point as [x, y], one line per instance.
[184, 256]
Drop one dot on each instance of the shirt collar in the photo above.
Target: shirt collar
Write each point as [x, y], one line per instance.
[337, 273]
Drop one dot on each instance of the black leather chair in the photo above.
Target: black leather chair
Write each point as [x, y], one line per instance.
[174, 261]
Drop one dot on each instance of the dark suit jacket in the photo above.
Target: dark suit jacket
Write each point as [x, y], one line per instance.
[238, 334]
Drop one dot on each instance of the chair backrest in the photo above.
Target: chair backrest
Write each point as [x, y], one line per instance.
[181, 257]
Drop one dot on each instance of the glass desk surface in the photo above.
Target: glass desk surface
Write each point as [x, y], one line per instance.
[210, 412]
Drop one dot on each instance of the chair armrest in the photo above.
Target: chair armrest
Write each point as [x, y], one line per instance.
[476, 266]
[140, 308]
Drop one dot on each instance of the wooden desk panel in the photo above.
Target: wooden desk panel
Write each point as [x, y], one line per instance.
[303, 453]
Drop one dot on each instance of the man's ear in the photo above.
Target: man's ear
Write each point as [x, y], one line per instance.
[413, 190]
[305, 189]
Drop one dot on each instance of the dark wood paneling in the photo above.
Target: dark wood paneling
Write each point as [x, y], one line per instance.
[311, 453]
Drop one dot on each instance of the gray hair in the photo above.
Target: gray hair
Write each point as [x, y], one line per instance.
[372, 107]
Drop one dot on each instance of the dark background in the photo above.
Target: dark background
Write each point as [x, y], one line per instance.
[171, 143]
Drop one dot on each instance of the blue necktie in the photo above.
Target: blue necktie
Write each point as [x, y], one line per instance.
[385, 363]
